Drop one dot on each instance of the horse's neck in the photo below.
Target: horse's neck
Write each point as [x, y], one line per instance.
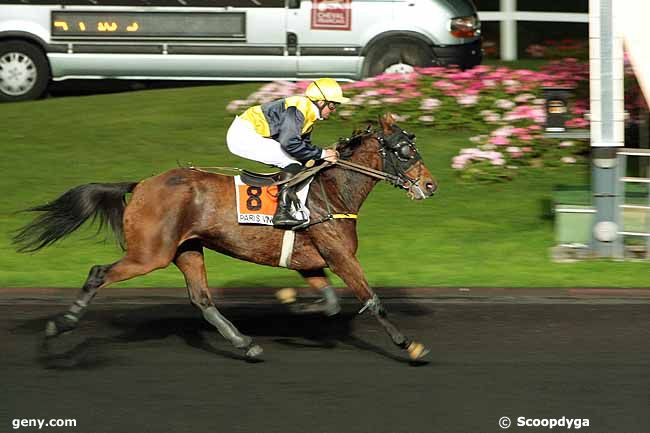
[352, 188]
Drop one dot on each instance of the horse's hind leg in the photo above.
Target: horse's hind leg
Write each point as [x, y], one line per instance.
[317, 280]
[189, 260]
[100, 276]
[69, 320]
[329, 304]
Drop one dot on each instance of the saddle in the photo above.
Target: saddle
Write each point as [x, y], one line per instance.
[261, 179]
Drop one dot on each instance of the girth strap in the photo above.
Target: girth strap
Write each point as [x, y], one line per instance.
[338, 216]
[288, 239]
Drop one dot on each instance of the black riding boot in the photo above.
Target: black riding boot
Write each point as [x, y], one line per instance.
[286, 197]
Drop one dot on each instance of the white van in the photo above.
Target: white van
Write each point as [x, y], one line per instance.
[43, 40]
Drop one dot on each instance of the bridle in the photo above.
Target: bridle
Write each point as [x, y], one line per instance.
[398, 154]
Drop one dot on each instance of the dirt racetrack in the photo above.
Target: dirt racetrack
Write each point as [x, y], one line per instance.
[150, 363]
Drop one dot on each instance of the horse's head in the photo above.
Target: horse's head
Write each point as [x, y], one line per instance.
[392, 150]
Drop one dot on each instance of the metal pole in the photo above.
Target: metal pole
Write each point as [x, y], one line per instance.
[619, 201]
[508, 30]
[607, 122]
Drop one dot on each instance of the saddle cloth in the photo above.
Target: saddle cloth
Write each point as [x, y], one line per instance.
[257, 204]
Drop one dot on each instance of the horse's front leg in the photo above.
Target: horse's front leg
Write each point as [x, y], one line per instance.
[343, 262]
[415, 350]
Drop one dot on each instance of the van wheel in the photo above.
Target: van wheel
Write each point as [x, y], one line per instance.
[397, 56]
[24, 71]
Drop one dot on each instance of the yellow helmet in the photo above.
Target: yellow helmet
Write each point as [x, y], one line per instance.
[325, 89]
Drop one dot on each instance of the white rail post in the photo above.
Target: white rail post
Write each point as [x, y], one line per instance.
[508, 30]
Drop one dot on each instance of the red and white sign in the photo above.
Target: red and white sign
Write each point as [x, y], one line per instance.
[331, 14]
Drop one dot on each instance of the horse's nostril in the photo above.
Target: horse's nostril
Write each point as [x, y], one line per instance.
[431, 187]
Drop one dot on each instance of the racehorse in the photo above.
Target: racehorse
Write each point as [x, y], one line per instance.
[173, 216]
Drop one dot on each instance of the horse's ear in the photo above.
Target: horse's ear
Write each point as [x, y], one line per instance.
[387, 121]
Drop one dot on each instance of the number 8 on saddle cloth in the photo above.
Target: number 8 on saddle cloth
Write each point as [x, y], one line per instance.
[257, 204]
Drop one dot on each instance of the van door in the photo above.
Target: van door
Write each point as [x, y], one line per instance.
[264, 54]
[330, 34]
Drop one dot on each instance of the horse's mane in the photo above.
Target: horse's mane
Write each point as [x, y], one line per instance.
[347, 146]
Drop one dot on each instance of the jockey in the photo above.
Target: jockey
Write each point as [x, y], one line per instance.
[278, 133]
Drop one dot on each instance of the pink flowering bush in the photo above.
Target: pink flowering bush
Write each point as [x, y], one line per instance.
[516, 120]
[446, 98]
[502, 106]
[267, 93]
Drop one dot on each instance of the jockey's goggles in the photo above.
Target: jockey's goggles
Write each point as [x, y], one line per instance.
[332, 105]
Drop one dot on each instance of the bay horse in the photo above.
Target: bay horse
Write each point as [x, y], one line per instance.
[173, 216]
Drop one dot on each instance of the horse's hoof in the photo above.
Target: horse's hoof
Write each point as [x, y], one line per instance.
[417, 351]
[254, 352]
[58, 326]
[287, 295]
[50, 329]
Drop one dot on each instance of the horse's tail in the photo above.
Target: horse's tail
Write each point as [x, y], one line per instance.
[68, 212]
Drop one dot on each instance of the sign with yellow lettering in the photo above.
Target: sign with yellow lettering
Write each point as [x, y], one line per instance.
[69, 24]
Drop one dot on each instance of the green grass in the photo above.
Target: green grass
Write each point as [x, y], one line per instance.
[466, 236]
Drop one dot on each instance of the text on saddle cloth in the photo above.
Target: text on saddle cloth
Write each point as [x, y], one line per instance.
[257, 204]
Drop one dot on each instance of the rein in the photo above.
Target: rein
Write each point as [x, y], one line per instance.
[400, 181]
[382, 175]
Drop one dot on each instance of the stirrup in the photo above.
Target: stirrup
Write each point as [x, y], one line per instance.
[284, 218]
[288, 223]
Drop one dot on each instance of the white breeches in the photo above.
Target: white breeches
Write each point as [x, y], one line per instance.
[244, 141]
